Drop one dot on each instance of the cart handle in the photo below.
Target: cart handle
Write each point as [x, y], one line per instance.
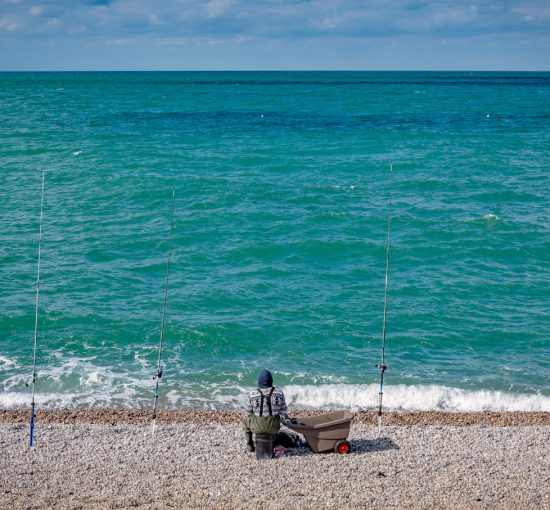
[319, 425]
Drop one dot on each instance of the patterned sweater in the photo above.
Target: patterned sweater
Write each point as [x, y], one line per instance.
[278, 404]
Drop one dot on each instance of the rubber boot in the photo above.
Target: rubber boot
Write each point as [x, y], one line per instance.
[249, 441]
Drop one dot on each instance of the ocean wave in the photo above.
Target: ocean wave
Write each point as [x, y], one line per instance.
[491, 217]
[325, 397]
[403, 397]
[6, 363]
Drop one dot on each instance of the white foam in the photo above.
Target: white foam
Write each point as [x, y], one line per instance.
[77, 382]
[491, 217]
[350, 187]
[136, 392]
[299, 377]
[413, 398]
[12, 399]
[6, 362]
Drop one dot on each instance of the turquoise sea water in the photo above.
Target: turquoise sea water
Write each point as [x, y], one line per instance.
[281, 183]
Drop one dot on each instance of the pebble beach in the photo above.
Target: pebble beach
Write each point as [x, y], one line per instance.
[108, 459]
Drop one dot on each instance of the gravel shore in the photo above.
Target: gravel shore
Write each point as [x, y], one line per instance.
[107, 459]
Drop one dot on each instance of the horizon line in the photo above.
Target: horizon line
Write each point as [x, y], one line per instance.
[274, 71]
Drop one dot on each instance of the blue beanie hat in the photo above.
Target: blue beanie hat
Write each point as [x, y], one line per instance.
[265, 380]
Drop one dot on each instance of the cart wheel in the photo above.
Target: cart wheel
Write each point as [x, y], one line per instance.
[342, 446]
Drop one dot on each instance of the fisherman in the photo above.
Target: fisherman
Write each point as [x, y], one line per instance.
[266, 407]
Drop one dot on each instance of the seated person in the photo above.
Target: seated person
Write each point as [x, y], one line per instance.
[265, 407]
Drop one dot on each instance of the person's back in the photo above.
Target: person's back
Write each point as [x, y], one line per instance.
[266, 402]
[265, 407]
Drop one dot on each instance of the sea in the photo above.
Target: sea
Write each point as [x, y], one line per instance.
[282, 191]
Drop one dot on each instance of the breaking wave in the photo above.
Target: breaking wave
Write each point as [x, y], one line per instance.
[326, 396]
[413, 398]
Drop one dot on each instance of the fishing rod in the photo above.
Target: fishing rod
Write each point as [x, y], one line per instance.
[382, 366]
[33, 381]
[158, 375]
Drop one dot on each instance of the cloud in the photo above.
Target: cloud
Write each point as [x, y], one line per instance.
[116, 42]
[273, 24]
[8, 24]
[281, 19]
[35, 10]
[215, 8]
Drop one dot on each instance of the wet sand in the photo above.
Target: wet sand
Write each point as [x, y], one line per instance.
[107, 459]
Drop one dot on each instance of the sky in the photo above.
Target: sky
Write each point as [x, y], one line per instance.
[274, 35]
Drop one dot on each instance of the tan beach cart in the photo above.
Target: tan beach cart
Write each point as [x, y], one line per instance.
[325, 432]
